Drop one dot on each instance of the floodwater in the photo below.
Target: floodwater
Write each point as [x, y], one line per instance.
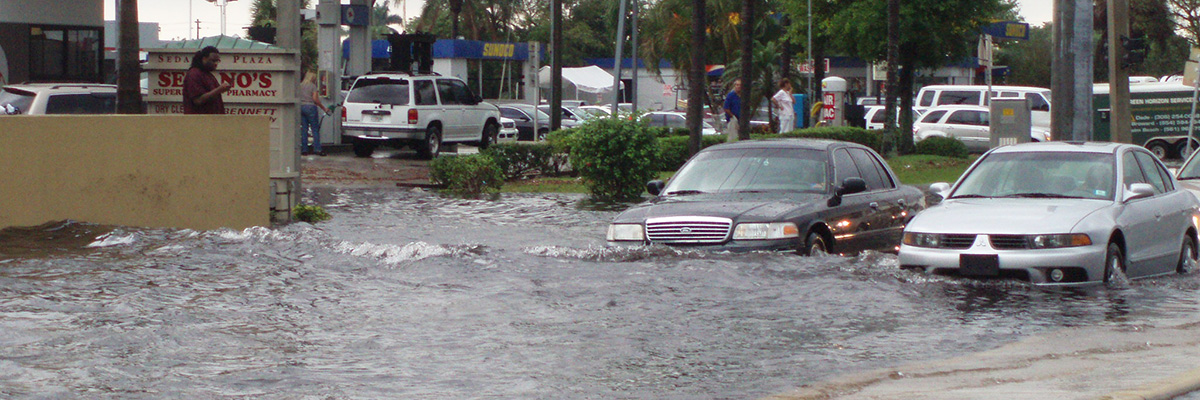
[405, 294]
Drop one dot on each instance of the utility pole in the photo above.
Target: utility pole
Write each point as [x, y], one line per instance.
[129, 93]
[1072, 66]
[1120, 120]
[617, 60]
[197, 28]
[633, 42]
[555, 65]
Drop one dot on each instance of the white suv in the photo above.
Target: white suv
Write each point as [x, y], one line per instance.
[970, 124]
[417, 110]
[58, 98]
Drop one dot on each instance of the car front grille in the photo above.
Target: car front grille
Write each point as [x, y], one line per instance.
[1009, 242]
[957, 241]
[690, 230]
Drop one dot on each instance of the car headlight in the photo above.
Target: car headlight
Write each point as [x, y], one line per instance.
[759, 231]
[1057, 241]
[922, 239]
[626, 232]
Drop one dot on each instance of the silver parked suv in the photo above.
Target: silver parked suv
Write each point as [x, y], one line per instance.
[58, 98]
[421, 111]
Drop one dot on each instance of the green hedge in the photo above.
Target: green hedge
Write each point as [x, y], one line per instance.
[942, 146]
[517, 160]
[470, 176]
[673, 151]
[872, 139]
[615, 157]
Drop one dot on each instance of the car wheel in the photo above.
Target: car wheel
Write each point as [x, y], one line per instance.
[491, 134]
[1182, 149]
[433, 143]
[541, 136]
[1187, 255]
[1114, 267]
[363, 149]
[1160, 149]
[815, 245]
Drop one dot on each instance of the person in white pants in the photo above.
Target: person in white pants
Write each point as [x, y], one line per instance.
[782, 101]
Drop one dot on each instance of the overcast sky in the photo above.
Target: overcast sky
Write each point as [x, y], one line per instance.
[173, 16]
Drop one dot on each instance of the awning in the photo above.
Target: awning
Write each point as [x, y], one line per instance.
[220, 42]
[590, 79]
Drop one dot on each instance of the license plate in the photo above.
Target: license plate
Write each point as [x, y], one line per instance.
[979, 265]
[373, 118]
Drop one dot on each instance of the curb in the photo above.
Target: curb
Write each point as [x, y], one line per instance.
[1165, 389]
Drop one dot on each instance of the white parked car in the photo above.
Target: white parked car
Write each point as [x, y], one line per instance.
[1059, 213]
[875, 117]
[970, 124]
[674, 120]
[58, 98]
[939, 95]
[415, 110]
[508, 130]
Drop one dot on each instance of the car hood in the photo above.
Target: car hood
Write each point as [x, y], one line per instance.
[739, 207]
[1005, 216]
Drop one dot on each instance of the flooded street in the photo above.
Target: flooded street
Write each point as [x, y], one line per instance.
[405, 294]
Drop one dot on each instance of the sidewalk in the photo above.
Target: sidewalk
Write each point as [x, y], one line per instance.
[1127, 362]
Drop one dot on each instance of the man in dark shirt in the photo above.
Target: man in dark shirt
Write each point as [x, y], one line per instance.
[201, 91]
[733, 109]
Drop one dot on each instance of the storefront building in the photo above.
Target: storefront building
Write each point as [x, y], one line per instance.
[45, 41]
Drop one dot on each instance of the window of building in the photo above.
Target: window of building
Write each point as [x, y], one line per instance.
[64, 54]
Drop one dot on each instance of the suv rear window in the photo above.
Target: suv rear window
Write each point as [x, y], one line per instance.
[381, 90]
[93, 103]
[20, 101]
[959, 97]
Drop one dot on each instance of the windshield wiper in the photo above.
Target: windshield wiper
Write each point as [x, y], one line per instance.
[1042, 196]
[684, 192]
[970, 196]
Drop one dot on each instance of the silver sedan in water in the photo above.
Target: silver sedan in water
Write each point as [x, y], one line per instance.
[1054, 214]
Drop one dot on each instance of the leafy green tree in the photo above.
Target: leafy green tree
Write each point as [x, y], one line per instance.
[263, 13]
[1028, 61]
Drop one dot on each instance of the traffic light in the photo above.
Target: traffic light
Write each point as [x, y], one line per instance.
[1135, 51]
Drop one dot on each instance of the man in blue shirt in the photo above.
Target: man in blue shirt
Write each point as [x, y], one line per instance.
[733, 110]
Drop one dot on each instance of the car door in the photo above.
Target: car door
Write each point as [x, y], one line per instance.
[452, 110]
[1172, 216]
[1142, 219]
[851, 221]
[1039, 110]
[474, 114]
[969, 126]
[524, 125]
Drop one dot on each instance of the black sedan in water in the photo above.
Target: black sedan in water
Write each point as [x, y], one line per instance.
[810, 196]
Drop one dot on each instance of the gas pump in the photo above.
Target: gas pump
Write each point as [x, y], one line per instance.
[833, 112]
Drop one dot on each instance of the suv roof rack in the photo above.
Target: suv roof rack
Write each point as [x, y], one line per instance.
[401, 72]
[79, 85]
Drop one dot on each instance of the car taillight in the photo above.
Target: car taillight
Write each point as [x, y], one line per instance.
[412, 116]
[343, 114]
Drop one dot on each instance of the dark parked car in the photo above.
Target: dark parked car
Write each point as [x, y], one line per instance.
[529, 118]
[810, 196]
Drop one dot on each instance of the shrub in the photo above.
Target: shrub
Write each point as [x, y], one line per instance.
[310, 214]
[615, 158]
[519, 159]
[861, 136]
[942, 146]
[673, 151]
[470, 176]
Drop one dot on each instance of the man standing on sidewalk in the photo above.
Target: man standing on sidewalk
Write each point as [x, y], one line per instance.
[201, 91]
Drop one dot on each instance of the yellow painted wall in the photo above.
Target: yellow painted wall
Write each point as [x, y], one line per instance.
[195, 172]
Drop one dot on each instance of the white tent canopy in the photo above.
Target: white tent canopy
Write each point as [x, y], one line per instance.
[589, 79]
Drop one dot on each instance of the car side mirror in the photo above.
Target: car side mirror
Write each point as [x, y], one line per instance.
[852, 185]
[1138, 191]
[655, 187]
[849, 186]
[940, 189]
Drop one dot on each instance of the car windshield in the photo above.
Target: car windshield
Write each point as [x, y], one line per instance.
[381, 90]
[1041, 175]
[751, 170]
[14, 101]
